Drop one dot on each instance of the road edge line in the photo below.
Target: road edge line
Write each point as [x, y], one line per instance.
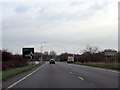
[24, 77]
[104, 69]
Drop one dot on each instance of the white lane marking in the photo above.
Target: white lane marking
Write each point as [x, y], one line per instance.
[81, 78]
[24, 77]
[70, 72]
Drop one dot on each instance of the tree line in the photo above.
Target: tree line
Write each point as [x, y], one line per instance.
[10, 60]
[90, 54]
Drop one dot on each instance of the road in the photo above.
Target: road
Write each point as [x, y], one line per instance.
[63, 75]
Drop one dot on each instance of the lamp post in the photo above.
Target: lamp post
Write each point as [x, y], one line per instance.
[42, 50]
[74, 52]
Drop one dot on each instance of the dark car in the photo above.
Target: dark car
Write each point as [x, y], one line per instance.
[52, 61]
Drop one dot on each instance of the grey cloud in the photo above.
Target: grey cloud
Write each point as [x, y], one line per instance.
[90, 11]
[79, 2]
[11, 23]
[98, 6]
[22, 8]
[45, 15]
[21, 30]
[74, 3]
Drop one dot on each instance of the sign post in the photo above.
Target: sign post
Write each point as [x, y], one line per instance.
[28, 53]
[111, 53]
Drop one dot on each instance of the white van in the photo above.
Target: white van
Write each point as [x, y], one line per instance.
[70, 59]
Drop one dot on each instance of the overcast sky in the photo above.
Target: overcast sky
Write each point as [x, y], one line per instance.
[66, 25]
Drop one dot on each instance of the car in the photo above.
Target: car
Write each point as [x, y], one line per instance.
[52, 61]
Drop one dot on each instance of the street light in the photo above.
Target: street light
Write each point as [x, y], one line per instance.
[42, 50]
[74, 52]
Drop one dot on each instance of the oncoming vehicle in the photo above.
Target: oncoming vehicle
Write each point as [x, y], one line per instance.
[52, 61]
[70, 59]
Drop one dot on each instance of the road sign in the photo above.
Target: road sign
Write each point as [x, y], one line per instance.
[111, 53]
[28, 53]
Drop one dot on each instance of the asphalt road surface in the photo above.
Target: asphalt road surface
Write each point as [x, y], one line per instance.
[63, 75]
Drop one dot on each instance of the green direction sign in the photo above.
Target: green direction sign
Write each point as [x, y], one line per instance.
[28, 53]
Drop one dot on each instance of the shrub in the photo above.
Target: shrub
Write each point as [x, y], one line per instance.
[11, 61]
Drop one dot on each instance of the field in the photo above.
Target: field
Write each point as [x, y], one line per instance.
[114, 66]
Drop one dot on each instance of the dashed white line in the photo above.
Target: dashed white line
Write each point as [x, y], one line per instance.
[81, 78]
[24, 78]
[70, 72]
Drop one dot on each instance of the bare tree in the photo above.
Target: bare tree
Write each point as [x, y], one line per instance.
[90, 51]
[52, 54]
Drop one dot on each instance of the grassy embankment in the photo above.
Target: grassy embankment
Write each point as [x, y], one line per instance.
[113, 66]
[14, 71]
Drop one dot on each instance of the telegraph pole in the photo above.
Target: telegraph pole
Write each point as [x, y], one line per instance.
[74, 53]
[42, 50]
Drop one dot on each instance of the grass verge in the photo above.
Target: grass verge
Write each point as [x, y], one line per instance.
[113, 66]
[12, 72]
